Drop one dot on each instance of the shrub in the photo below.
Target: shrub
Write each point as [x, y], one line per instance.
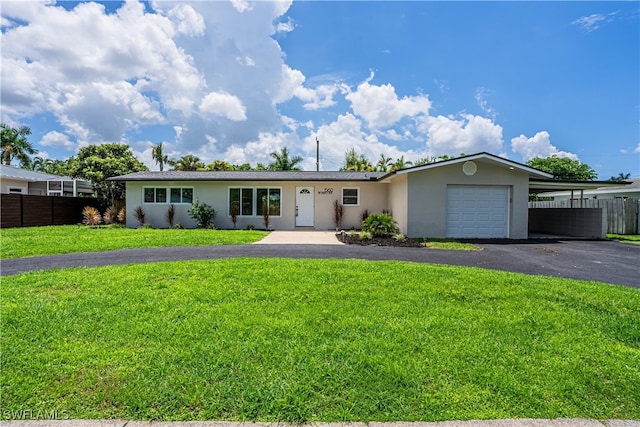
[399, 237]
[265, 212]
[234, 211]
[380, 225]
[110, 215]
[91, 216]
[179, 226]
[140, 215]
[122, 216]
[364, 215]
[365, 235]
[171, 214]
[338, 213]
[250, 227]
[202, 213]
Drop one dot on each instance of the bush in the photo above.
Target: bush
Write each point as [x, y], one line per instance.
[365, 235]
[380, 225]
[110, 215]
[338, 213]
[202, 213]
[91, 216]
[140, 215]
[170, 214]
[122, 216]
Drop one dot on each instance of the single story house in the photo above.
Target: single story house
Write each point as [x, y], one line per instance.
[475, 196]
[611, 191]
[23, 181]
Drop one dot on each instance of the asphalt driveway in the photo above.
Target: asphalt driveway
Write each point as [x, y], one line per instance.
[604, 261]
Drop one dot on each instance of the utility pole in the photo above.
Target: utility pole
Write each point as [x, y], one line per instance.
[317, 155]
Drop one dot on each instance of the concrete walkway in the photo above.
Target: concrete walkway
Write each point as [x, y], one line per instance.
[560, 422]
[300, 237]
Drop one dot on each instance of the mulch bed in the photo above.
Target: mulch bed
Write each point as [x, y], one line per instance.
[379, 241]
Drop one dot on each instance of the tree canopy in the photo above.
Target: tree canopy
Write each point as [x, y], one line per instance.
[621, 177]
[15, 145]
[158, 155]
[97, 163]
[564, 168]
[188, 162]
[283, 162]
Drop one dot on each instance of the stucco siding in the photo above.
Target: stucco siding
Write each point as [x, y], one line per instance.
[372, 197]
[427, 196]
[8, 183]
[398, 199]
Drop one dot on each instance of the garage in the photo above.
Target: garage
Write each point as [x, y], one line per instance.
[480, 211]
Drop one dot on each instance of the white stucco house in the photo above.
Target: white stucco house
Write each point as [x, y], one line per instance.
[27, 182]
[476, 196]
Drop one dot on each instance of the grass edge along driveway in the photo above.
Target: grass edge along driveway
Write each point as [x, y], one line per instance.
[55, 240]
[318, 340]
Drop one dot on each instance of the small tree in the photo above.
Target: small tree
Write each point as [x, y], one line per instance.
[265, 212]
[234, 211]
[338, 213]
[171, 214]
[202, 213]
[140, 215]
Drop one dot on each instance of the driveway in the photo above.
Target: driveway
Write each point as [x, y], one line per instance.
[604, 261]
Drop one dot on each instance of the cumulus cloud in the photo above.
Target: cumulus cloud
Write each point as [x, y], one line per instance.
[57, 139]
[467, 134]
[381, 107]
[186, 20]
[538, 145]
[225, 105]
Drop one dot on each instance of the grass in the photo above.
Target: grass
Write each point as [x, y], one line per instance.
[633, 239]
[36, 241]
[450, 245]
[317, 340]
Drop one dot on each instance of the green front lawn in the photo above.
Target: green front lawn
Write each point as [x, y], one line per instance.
[317, 340]
[633, 239]
[63, 239]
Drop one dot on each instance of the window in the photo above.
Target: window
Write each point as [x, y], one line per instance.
[350, 196]
[250, 201]
[163, 195]
[13, 190]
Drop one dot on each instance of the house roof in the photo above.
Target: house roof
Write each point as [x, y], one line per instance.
[596, 187]
[29, 175]
[482, 158]
[250, 176]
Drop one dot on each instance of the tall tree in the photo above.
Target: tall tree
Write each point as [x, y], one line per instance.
[97, 163]
[383, 163]
[188, 162]
[400, 163]
[620, 178]
[160, 158]
[356, 162]
[563, 168]
[15, 145]
[282, 161]
[220, 165]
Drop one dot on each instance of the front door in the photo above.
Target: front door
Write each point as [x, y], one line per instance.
[304, 206]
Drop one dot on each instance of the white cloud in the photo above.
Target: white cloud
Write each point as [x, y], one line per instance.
[637, 149]
[285, 27]
[482, 94]
[57, 139]
[187, 20]
[469, 134]
[538, 145]
[225, 105]
[592, 22]
[241, 5]
[381, 107]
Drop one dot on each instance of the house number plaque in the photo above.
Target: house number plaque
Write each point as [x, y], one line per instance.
[326, 190]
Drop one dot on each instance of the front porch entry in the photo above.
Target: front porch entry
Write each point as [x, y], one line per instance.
[304, 206]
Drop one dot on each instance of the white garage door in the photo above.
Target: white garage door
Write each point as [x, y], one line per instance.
[477, 211]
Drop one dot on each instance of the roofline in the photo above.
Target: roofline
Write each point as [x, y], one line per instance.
[204, 177]
[615, 188]
[483, 154]
[567, 186]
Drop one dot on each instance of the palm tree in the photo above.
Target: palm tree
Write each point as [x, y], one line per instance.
[356, 162]
[621, 177]
[41, 164]
[15, 145]
[401, 163]
[160, 158]
[282, 161]
[188, 162]
[383, 163]
[220, 165]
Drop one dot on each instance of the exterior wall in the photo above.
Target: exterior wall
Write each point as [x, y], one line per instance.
[427, 196]
[398, 201]
[373, 197]
[577, 222]
[7, 183]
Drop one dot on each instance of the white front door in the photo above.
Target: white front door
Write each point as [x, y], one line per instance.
[304, 206]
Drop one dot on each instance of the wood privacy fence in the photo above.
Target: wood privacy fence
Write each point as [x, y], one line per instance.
[18, 210]
[623, 215]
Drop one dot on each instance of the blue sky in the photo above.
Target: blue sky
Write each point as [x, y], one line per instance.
[237, 80]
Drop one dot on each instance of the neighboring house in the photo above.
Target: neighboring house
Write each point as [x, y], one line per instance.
[27, 182]
[476, 196]
[611, 191]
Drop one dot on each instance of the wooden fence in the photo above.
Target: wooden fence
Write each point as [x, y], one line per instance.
[18, 210]
[623, 215]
